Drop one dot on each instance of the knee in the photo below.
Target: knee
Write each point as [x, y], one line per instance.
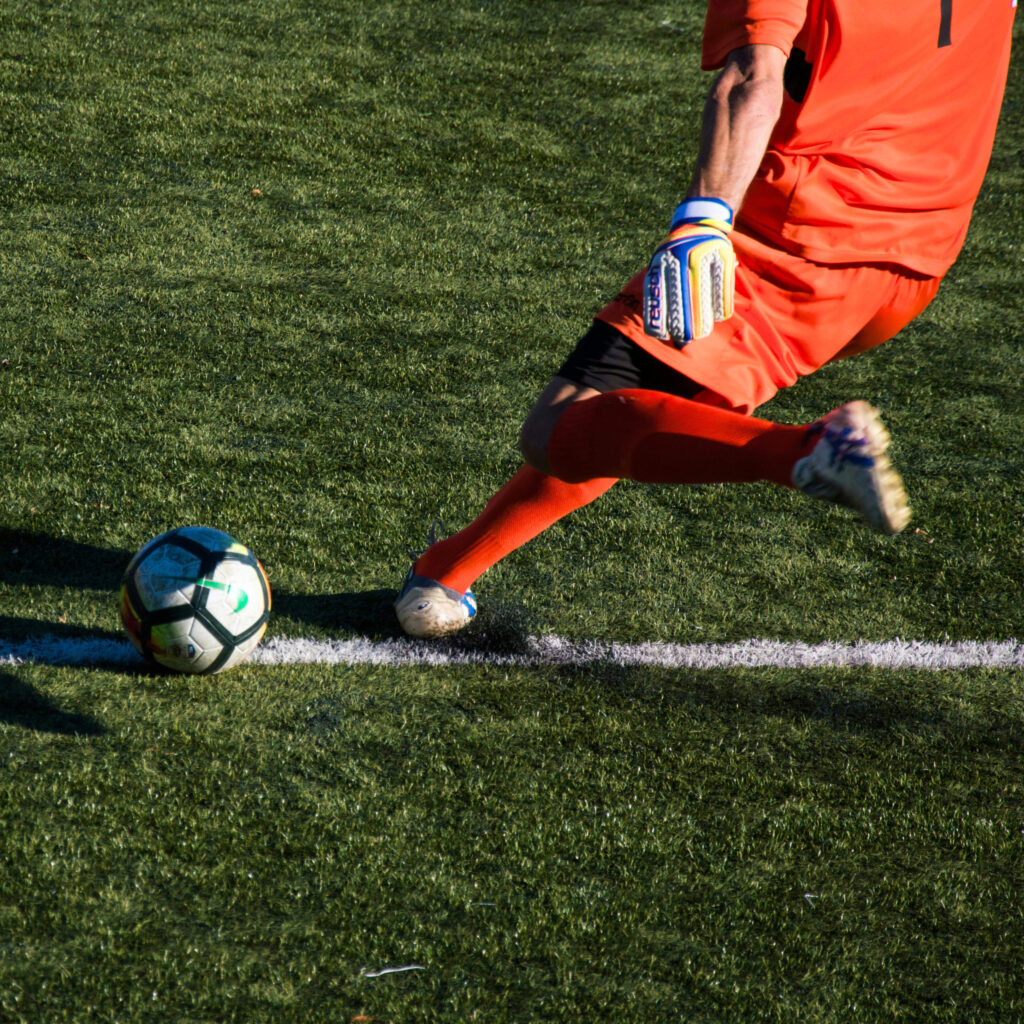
[533, 445]
[535, 434]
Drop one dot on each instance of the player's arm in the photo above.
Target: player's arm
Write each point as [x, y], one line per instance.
[740, 113]
[690, 280]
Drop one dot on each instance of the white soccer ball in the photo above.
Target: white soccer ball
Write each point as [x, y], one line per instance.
[195, 600]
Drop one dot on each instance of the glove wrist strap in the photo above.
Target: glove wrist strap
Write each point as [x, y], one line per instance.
[701, 209]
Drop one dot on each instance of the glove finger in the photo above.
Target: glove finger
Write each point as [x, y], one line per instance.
[677, 288]
[654, 298]
[726, 284]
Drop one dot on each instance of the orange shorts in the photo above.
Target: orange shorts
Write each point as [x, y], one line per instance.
[790, 317]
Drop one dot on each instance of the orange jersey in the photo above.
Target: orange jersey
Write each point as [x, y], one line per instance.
[886, 127]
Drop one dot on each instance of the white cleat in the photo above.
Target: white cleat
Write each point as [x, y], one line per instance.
[848, 466]
[426, 608]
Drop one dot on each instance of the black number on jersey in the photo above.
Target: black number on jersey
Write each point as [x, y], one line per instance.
[945, 22]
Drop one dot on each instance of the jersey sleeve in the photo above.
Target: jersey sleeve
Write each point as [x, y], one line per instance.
[730, 24]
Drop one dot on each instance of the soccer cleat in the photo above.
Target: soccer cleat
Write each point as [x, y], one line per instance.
[426, 608]
[849, 466]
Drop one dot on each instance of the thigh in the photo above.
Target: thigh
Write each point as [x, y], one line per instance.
[603, 360]
[542, 419]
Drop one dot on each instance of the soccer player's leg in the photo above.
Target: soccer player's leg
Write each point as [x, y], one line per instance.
[657, 438]
[652, 423]
[436, 598]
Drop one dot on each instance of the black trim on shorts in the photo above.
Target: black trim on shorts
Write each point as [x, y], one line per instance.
[606, 360]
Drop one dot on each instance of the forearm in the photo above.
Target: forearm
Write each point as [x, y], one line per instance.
[690, 280]
[739, 116]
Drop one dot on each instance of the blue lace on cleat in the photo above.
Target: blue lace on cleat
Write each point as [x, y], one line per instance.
[426, 608]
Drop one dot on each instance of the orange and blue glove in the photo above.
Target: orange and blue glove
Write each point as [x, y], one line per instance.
[691, 278]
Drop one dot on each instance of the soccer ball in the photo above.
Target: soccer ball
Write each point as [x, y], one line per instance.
[195, 600]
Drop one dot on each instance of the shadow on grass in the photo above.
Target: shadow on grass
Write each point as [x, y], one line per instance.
[847, 701]
[19, 629]
[366, 612]
[23, 705]
[39, 560]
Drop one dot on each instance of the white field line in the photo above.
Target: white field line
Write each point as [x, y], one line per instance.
[553, 650]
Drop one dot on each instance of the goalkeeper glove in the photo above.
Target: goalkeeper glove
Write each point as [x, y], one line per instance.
[691, 277]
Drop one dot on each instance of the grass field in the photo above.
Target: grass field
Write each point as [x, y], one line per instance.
[296, 271]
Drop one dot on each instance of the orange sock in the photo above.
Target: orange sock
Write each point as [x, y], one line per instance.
[642, 435]
[659, 438]
[527, 505]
